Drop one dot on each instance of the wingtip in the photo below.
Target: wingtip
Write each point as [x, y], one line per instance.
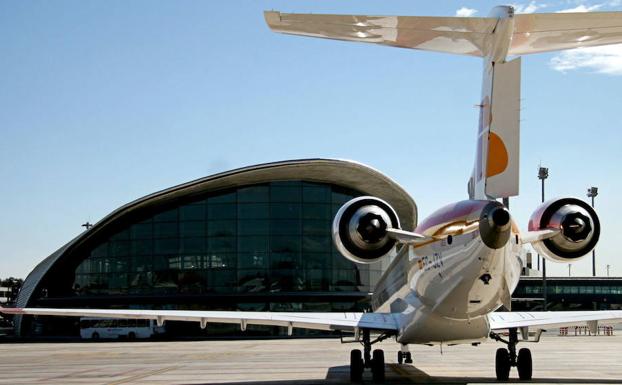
[272, 17]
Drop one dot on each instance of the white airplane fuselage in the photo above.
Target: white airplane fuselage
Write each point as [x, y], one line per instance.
[445, 289]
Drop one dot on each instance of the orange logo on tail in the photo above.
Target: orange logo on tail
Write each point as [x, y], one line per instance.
[497, 156]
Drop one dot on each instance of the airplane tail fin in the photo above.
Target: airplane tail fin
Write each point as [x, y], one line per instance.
[496, 170]
[495, 38]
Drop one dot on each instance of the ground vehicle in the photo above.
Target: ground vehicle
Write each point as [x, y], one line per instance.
[96, 328]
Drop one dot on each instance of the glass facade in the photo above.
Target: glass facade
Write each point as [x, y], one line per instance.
[576, 293]
[269, 238]
[569, 289]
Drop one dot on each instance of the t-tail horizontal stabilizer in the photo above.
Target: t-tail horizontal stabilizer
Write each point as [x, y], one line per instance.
[474, 36]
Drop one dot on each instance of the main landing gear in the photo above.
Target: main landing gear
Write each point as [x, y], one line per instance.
[367, 359]
[506, 358]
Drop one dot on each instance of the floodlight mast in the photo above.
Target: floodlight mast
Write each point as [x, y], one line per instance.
[592, 192]
[543, 173]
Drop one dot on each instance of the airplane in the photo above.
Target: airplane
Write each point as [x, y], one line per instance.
[447, 278]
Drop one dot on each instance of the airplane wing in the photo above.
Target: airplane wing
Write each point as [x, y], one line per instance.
[317, 321]
[458, 35]
[506, 320]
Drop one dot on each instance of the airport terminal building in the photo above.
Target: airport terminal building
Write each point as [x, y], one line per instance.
[256, 238]
[568, 293]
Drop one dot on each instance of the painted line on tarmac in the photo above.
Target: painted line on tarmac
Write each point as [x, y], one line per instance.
[143, 375]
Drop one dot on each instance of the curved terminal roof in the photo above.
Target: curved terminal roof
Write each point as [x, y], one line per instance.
[344, 173]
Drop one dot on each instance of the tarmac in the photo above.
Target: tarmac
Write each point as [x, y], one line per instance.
[557, 360]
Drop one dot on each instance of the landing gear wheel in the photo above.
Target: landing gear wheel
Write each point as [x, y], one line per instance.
[356, 366]
[409, 359]
[502, 364]
[524, 364]
[377, 366]
[400, 357]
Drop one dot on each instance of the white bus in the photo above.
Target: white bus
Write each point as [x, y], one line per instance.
[96, 328]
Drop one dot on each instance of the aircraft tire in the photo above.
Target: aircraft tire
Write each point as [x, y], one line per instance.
[502, 364]
[400, 357]
[524, 364]
[408, 358]
[356, 366]
[377, 366]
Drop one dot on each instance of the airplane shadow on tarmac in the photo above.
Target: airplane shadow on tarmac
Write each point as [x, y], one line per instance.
[408, 374]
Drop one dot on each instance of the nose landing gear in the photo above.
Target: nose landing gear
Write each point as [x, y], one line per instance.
[404, 356]
[506, 358]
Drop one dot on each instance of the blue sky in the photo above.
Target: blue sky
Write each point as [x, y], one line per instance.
[104, 102]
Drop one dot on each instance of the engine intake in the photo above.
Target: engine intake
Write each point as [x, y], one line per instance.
[360, 229]
[578, 224]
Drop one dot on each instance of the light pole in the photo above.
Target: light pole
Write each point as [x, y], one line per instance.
[543, 173]
[591, 193]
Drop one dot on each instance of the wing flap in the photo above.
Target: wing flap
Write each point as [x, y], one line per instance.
[543, 32]
[506, 320]
[317, 321]
[457, 35]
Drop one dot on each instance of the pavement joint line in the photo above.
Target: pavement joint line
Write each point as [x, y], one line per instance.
[143, 375]
[67, 375]
[126, 372]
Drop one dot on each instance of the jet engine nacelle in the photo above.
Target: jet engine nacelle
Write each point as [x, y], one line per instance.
[360, 229]
[578, 225]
